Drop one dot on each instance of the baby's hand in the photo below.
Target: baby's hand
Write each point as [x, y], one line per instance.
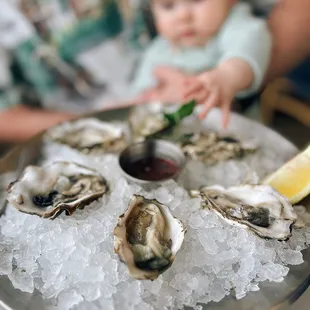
[170, 81]
[211, 89]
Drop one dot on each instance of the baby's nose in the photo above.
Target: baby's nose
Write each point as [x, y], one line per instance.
[183, 13]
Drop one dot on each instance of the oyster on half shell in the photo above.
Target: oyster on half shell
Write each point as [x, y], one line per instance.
[147, 120]
[147, 238]
[257, 207]
[90, 136]
[212, 148]
[61, 186]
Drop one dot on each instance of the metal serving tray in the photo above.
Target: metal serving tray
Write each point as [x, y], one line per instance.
[270, 296]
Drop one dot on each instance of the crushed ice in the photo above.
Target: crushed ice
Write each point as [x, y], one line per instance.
[71, 261]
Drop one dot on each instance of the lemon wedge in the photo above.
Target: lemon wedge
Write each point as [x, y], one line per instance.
[293, 178]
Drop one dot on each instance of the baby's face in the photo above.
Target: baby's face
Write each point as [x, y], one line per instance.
[190, 22]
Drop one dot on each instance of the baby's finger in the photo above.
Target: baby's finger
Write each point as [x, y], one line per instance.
[191, 88]
[210, 103]
[200, 96]
[225, 114]
[189, 80]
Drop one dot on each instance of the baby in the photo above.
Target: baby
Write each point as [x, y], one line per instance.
[221, 49]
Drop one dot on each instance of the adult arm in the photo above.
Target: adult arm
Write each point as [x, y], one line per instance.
[20, 122]
[289, 25]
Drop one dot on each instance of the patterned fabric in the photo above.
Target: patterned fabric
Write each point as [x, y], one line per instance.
[40, 45]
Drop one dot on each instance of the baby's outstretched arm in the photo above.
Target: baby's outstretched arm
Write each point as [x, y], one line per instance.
[219, 86]
[245, 44]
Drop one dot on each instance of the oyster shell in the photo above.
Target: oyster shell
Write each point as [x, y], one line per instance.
[90, 136]
[61, 186]
[303, 217]
[146, 120]
[211, 148]
[147, 238]
[257, 207]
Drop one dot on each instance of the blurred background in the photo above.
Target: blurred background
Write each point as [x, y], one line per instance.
[79, 55]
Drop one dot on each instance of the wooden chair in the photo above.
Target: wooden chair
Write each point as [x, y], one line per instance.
[279, 96]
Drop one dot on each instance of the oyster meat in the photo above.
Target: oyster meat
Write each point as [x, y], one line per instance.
[61, 186]
[212, 148]
[147, 120]
[257, 207]
[147, 238]
[90, 136]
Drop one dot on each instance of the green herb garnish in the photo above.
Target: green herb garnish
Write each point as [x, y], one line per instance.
[184, 111]
[174, 119]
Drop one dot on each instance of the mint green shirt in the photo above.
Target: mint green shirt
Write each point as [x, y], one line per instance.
[242, 36]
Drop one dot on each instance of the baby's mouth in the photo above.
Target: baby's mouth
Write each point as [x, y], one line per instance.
[188, 34]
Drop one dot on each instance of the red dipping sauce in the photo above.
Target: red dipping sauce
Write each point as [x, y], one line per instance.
[151, 169]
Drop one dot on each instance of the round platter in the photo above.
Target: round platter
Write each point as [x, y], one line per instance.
[270, 296]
